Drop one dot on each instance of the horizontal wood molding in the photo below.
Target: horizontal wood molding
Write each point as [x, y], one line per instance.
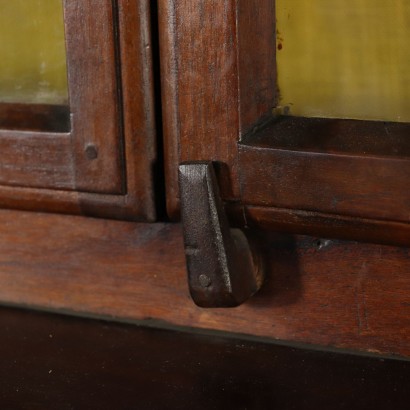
[35, 117]
[42, 157]
[329, 293]
[342, 185]
[341, 167]
[333, 136]
[299, 222]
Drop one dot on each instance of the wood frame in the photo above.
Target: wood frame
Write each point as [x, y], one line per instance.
[319, 292]
[103, 166]
[349, 181]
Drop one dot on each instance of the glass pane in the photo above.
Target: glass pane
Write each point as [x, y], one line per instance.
[33, 73]
[32, 52]
[344, 58]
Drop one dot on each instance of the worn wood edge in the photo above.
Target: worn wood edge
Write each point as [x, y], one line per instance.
[167, 10]
[22, 164]
[154, 323]
[140, 128]
[137, 272]
[332, 226]
[127, 207]
[332, 136]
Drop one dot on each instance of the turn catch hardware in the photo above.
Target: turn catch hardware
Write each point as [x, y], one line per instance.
[223, 269]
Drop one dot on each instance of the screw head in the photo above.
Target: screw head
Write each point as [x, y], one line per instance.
[204, 281]
[91, 151]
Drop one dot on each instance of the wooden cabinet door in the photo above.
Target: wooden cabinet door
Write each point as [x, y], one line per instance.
[335, 177]
[94, 155]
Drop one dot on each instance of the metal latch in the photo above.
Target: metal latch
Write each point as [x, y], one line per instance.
[223, 269]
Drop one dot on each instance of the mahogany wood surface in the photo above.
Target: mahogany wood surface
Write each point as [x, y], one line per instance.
[342, 178]
[256, 54]
[95, 99]
[215, 82]
[35, 117]
[42, 157]
[321, 292]
[52, 361]
[319, 224]
[111, 101]
[358, 138]
[344, 167]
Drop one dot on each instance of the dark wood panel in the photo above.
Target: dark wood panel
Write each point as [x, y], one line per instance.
[45, 159]
[352, 168]
[329, 172]
[167, 35]
[364, 187]
[320, 224]
[329, 293]
[35, 117]
[26, 158]
[60, 362]
[216, 84]
[334, 136]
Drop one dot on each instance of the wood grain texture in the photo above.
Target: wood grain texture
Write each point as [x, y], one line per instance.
[35, 117]
[319, 224]
[139, 126]
[169, 95]
[207, 85]
[256, 32]
[344, 167]
[27, 159]
[334, 136]
[329, 293]
[126, 145]
[215, 83]
[54, 361]
[329, 173]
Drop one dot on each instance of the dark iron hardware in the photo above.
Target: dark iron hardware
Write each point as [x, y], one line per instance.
[223, 271]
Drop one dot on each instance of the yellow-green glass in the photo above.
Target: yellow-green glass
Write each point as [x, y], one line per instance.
[32, 52]
[344, 58]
